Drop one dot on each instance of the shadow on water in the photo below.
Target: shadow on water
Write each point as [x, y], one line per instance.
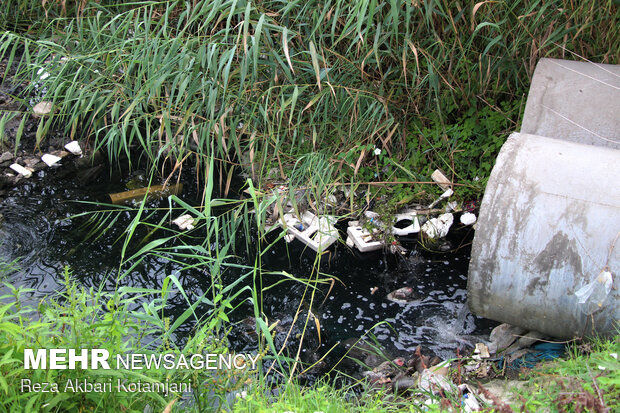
[37, 229]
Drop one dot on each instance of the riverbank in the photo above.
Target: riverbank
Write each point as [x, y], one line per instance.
[352, 107]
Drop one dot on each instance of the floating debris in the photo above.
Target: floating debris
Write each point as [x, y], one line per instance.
[441, 179]
[74, 148]
[25, 172]
[184, 222]
[402, 295]
[443, 196]
[438, 227]
[481, 352]
[153, 192]
[362, 239]
[318, 233]
[468, 218]
[50, 160]
[414, 228]
[42, 108]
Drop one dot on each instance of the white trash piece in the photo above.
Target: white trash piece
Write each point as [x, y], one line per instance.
[42, 108]
[441, 179]
[592, 295]
[468, 218]
[414, 228]
[184, 222]
[25, 172]
[50, 160]
[452, 206]
[438, 227]
[74, 148]
[373, 218]
[434, 383]
[362, 239]
[42, 74]
[317, 233]
[443, 196]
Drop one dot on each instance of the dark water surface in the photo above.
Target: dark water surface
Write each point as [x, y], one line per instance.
[37, 230]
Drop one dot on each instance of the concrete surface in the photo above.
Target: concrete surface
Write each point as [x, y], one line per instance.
[574, 101]
[548, 223]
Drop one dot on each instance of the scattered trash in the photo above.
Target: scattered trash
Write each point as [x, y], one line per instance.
[593, 295]
[528, 358]
[184, 222]
[25, 172]
[441, 179]
[438, 227]
[433, 382]
[481, 352]
[42, 108]
[318, 233]
[396, 248]
[402, 295]
[443, 196]
[153, 192]
[373, 290]
[74, 148]
[480, 369]
[452, 206]
[50, 160]
[42, 74]
[468, 218]
[362, 239]
[410, 229]
[469, 401]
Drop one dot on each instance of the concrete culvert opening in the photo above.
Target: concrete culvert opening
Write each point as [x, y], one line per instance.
[545, 253]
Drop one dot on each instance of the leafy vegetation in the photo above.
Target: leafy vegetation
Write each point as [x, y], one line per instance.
[91, 319]
[587, 380]
[258, 84]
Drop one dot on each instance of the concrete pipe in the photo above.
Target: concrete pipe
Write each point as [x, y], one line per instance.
[574, 101]
[545, 254]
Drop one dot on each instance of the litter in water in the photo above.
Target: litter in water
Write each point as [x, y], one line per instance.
[438, 227]
[468, 218]
[50, 160]
[153, 192]
[74, 148]
[25, 172]
[184, 222]
[318, 233]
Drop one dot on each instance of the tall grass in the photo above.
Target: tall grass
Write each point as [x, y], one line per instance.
[259, 83]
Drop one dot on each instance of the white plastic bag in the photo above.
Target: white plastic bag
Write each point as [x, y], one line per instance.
[592, 295]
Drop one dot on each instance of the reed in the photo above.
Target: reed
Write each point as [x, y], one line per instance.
[260, 84]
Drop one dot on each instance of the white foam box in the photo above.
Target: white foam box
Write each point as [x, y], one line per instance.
[317, 233]
[414, 228]
[362, 239]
